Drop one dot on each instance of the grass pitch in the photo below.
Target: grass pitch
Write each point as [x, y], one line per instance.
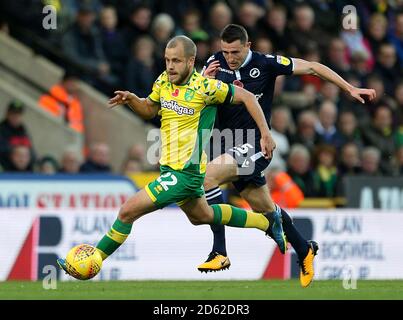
[202, 290]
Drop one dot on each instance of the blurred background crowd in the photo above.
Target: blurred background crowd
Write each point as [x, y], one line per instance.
[322, 134]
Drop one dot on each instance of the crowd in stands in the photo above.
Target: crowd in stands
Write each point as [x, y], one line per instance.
[328, 136]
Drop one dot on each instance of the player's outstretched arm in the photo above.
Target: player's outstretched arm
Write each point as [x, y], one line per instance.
[302, 67]
[252, 105]
[144, 107]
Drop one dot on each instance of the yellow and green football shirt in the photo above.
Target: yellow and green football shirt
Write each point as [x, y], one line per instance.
[187, 119]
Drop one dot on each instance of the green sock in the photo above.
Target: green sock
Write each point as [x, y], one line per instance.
[114, 238]
[240, 218]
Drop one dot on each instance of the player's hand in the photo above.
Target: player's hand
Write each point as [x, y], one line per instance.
[359, 92]
[121, 97]
[268, 145]
[212, 69]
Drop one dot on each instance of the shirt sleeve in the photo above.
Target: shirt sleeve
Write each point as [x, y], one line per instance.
[279, 65]
[155, 92]
[217, 92]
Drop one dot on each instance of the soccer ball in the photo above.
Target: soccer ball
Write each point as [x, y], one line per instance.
[83, 262]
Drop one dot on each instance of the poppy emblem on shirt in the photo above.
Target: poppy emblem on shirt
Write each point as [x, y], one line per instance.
[175, 93]
[237, 83]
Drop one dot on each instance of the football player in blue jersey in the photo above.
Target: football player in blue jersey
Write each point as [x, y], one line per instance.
[241, 161]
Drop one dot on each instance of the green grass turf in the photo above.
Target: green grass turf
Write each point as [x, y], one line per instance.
[210, 290]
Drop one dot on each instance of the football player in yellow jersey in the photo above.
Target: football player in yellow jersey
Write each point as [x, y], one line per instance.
[187, 103]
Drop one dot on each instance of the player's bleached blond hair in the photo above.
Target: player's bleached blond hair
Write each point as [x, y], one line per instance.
[189, 46]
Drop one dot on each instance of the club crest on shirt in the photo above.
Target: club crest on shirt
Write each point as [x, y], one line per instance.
[254, 73]
[189, 94]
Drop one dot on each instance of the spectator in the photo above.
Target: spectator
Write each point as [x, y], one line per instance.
[135, 160]
[326, 170]
[349, 160]
[381, 135]
[280, 122]
[14, 133]
[396, 37]
[349, 164]
[162, 29]
[359, 66]
[263, 45]
[348, 129]
[326, 126]
[62, 102]
[83, 45]
[70, 162]
[357, 45]
[274, 27]
[347, 102]
[98, 160]
[377, 28]
[20, 160]
[306, 133]
[283, 190]
[139, 22]
[191, 23]
[4, 28]
[337, 57]
[131, 166]
[399, 161]
[300, 172]
[48, 165]
[387, 67]
[113, 41]
[374, 81]
[140, 73]
[370, 161]
[303, 33]
[329, 91]
[220, 15]
[201, 39]
[248, 15]
[398, 110]
[137, 152]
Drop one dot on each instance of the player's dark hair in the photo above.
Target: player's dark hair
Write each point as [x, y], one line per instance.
[188, 45]
[234, 32]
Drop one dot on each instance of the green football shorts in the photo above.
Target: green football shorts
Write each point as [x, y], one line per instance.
[175, 187]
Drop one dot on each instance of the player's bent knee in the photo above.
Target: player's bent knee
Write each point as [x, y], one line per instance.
[200, 219]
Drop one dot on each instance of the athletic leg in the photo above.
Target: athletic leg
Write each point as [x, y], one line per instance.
[221, 170]
[135, 207]
[259, 199]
